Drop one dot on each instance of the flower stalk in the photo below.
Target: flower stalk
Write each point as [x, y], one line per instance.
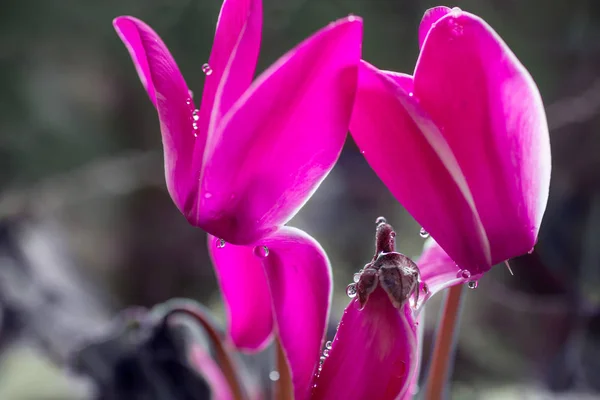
[445, 342]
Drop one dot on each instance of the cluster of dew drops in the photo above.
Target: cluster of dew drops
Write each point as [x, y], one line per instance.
[259, 251]
[324, 356]
[196, 113]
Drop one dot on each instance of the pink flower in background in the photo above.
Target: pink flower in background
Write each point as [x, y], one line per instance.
[463, 143]
[242, 164]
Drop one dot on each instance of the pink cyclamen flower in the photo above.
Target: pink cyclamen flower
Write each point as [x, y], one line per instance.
[242, 164]
[375, 353]
[463, 144]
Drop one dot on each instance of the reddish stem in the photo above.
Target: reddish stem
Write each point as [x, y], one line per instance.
[444, 345]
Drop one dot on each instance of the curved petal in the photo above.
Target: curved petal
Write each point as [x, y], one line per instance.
[169, 93]
[245, 292]
[232, 61]
[373, 355]
[438, 271]
[409, 154]
[491, 114]
[430, 17]
[299, 276]
[279, 141]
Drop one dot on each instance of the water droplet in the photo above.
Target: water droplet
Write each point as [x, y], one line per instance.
[362, 152]
[380, 220]
[195, 127]
[274, 376]
[472, 285]
[392, 234]
[351, 17]
[463, 274]
[220, 243]
[207, 195]
[322, 359]
[423, 233]
[456, 11]
[351, 290]
[207, 69]
[195, 115]
[326, 353]
[328, 345]
[356, 277]
[261, 251]
[410, 94]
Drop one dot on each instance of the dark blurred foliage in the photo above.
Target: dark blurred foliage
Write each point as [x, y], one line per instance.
[71, 104]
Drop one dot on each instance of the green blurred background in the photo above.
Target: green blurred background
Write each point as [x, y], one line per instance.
[80, 148]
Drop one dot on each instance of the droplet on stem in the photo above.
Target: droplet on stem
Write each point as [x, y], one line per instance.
[472, 285]
[423, 233]
[380, 220]
[207, 69]
[220, 243]
[356, 277]
[274, 375]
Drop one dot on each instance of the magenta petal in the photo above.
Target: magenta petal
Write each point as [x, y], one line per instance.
[374, 353]
[409, 154]
[431, 17]
[169, 93]
[438, 270]
[279, 141]
[491, 114]
[245, 292]
[232, 60]
[299, 276]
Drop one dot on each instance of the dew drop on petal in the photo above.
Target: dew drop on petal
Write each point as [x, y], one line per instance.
[351, 290]
[326, 353]
[410, 94]
[220, 243]
[351, 17]
[261, 251]
[328, 345]
[274, 375]
[380, 220]
[472, 285]
[423, 233]
[463, 274]
[322, 359]
[195, 114]
[356, 277]
[207, 69]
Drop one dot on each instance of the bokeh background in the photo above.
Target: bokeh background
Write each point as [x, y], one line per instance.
[82, 185]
